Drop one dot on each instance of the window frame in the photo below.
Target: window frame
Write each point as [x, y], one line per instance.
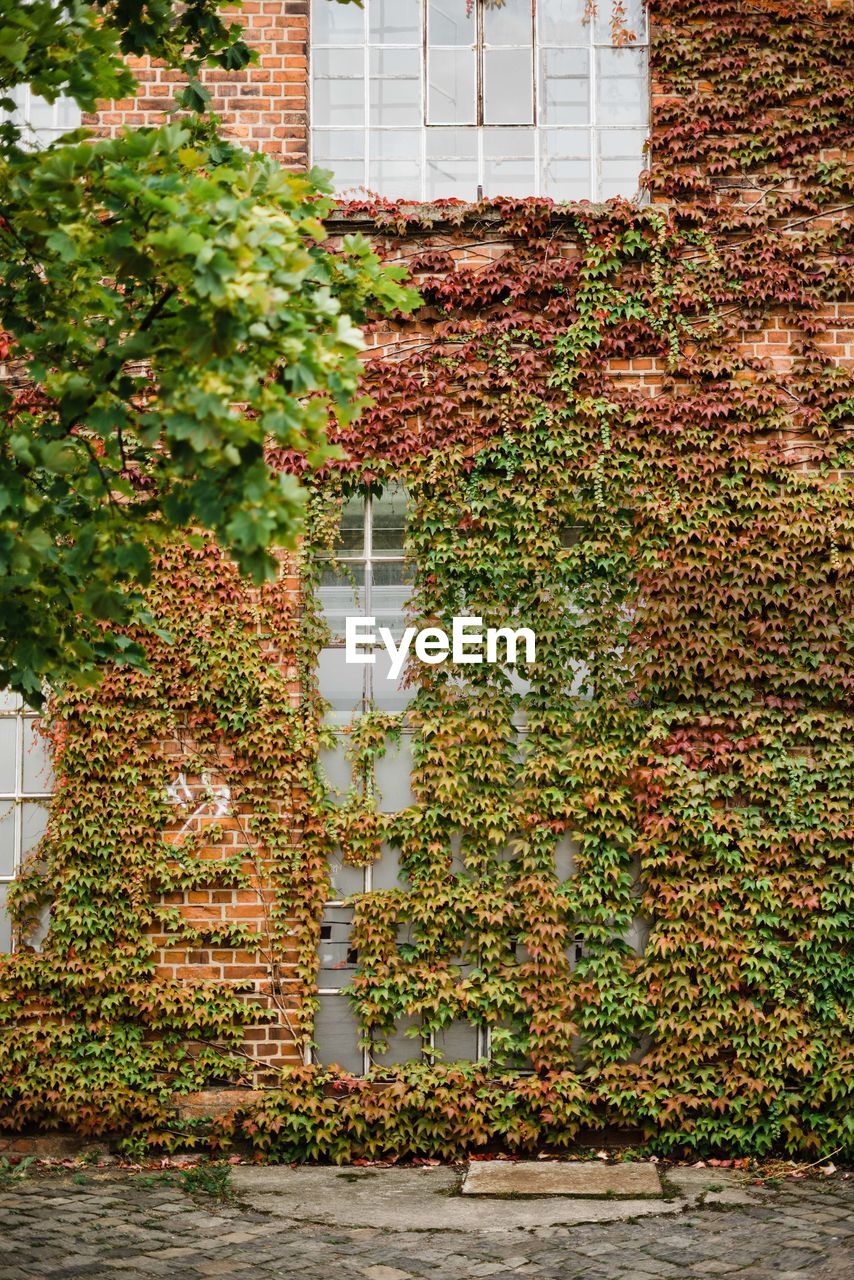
[539, 128]
[13, 708]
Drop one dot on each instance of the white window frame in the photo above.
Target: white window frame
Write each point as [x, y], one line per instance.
[12, 708]
[65, 116]
[593, 130]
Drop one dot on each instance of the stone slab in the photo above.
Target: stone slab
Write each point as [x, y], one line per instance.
[425, 1199]
[576, 1178]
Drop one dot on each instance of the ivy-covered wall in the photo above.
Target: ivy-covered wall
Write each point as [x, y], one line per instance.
[627, 429]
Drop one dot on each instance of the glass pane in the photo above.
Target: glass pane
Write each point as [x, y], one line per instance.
[337, 144]
[396, 179]
[336, 23]
[401, 1047]
[634, 21]
[388, 519]
[9, 701]
[394, 21]
[344, 880]
[342, 685]
[565, 95]
[448, 22]
[7, 838]
[394, 777]
[567, 179]
[33, 823]
[621, 96]
[390, 592]
[458, 1042]
[341, 594]
[351, 535]
[385, 872]
[565, 854]
[510, 23]
[338, 64]
[392, 696]
[619, 178]
[622, 144]
[337, 958]
[38, 773]
[336, 767]
[508, 86]
[508, 162]
[451, 163]
[396, 144]
[396, 62]
[339, 102]
[395, 102]
[451, 81]
[347, 175]
[5, 922]
[8, 754]
[336, 1035]
[562, 21]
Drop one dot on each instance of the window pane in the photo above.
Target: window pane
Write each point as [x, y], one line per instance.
[622, 144]
[335, 765]
[565, 854]
[33, 823]
[38, 773]
[5, 922]
[337, 958]
[401, 1047]
[336, 23]
[451, 163]
[385, 872]
[339, 102]
[562, 21]
[392, 696]
[336, 1035]
[388, 519]
[390, 592]
[7, 838]
[448, 22]
[618, 178]
[341, 594]
[331, 145]
[508, 86]
[8, 754]
[394, 21]
[508, 162]
[634, 21]
[398, 178]
[396, 62]
[344, 880]
[9, 701]
[566, 164]
[621, 90]
[565, 90]
[451, 84]
[394, 777]
[395, 102]
[457, 1042]
[342, 685]
[510, 23]
[338, 64]
[351, 535]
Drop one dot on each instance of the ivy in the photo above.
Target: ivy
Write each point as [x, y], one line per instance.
[592, 448]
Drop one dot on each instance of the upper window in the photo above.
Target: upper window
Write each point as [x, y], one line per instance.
[26, 781]
[426, 99]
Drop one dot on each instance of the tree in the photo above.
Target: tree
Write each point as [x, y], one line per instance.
[168, 310]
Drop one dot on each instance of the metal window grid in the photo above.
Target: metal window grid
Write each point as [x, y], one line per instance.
[593, 130]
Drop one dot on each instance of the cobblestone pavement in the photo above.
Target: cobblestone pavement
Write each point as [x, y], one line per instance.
[120, 1225]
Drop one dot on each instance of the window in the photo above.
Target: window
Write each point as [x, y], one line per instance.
[41, 122]
[419, 99]
[25, 788]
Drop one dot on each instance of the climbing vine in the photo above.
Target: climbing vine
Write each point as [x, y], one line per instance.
[622, 427]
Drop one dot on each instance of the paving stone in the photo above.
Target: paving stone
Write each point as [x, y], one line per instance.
[560, 1178]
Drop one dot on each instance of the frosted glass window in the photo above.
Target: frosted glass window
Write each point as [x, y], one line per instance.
[434, 79]
[401, 1047]
[458, 1042]
[394, 776]
[336, 1035]
[26, 781]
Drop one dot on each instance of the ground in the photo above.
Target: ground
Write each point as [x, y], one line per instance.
[104, 1224]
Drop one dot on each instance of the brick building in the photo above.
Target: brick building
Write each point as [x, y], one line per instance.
[426, 101]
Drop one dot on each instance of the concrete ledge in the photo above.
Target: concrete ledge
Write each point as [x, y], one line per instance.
[560, 1178]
